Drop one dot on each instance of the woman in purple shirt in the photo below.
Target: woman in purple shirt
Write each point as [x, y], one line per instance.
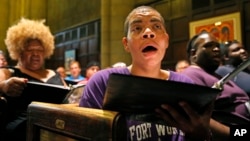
[147, 40]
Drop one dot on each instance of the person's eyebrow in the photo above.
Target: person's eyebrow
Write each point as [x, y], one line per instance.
[151, 20]
[136, 21]
[156, 20]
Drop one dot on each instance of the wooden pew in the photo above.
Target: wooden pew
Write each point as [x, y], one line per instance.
[61, 122]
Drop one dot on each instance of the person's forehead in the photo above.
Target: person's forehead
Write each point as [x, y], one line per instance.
[74, 65]
[34, 44]
[140, 14]
[236, 45]
[60, 69]
[205, 38]
[181, 64]
[144, 11]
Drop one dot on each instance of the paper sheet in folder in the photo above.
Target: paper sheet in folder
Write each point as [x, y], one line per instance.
[50, 93]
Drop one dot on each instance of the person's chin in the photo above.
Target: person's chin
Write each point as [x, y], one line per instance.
[35, 67]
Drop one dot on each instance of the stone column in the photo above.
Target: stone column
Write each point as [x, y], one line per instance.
[113, 14]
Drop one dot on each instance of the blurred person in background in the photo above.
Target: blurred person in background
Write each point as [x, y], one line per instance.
[233, 54]
[75, 72]
[61, 71]
[181, 65]
[91, 68]
[3, 61]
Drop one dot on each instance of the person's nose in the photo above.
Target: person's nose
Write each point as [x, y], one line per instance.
[35, 52]
[242, 51]
[148, 33]
[216, 48]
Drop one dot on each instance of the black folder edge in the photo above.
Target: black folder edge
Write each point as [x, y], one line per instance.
[58, 93]
[136, 94]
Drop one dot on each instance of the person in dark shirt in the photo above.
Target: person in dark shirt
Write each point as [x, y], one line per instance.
[29, 42]
[233, 55]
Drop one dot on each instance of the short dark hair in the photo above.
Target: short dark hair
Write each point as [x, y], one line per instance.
[93, 63]
[191, 45]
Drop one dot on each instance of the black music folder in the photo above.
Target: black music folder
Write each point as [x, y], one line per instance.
[135, 94]
[50, 93]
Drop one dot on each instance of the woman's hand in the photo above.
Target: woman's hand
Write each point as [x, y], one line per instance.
[194, 125]
[13, 86]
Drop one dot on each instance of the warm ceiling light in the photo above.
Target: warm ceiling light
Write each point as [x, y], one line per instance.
[217, 23]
